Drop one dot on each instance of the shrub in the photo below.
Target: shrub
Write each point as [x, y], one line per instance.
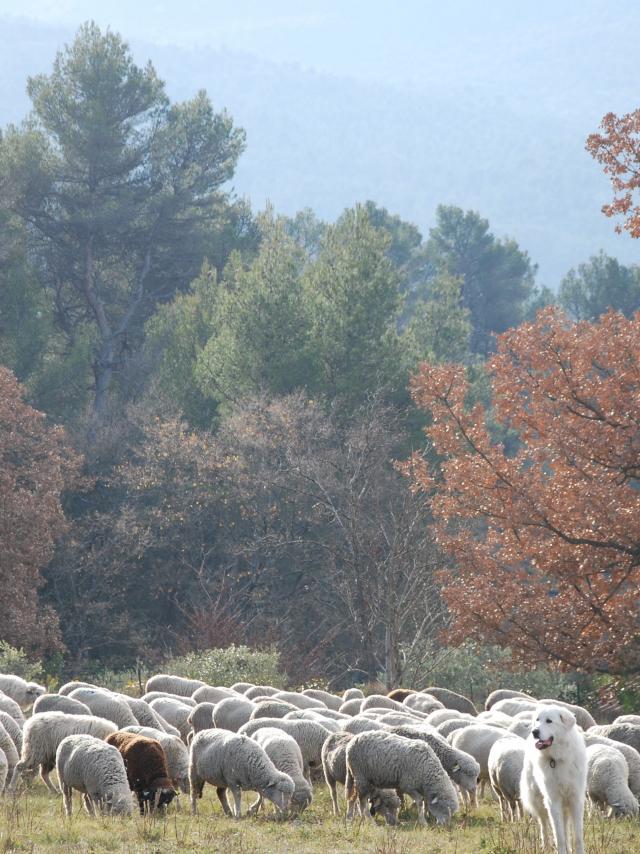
[226, 666]
[15, 661]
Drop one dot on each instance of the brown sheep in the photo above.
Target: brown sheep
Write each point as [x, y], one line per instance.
[146, 765]
[400, 694]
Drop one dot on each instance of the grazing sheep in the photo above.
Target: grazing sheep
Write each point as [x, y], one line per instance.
[8, 747]
[607, 775]
[43, 733]
[282, 749]
[512, 706]
[351, 707]
[379, 701]
[213, 694]
[451, 700]
[23, 692]
[627, 719]
[165, 695]
[505, 694]
[447, 727]
[302, 701]
[352, 694]
[400, 694]
[362, 724]
[312, 715]
[68, 687]
[310, 736]
[461, 767]
[394, 719]
[421, 702]
[174, 712]
[626, 733]
[175, 751]
[4, 770]
[327, 714]
[11, 708]
[272, 709]
[232, 712]
[96, 769]
[145, 715]
[173, 684]
[521, 727]
[331, 701]
[13, 729]
[201, 717]
[104, 704]
[147, 771]
[260, 691]
[59, 703]
[506, 761]
[334, 764]
[477, 740]
[630, 754]
[383, 760]
[241, 687]
[439, 716]
[232, 761]
[496, 718]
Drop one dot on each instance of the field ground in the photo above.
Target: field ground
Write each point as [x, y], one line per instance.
[34, 822]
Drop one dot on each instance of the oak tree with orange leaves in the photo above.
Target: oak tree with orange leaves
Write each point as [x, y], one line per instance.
[35, 467]
[617, 148]
[544, 539]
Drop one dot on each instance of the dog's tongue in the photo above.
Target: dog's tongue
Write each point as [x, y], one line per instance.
[543, 744]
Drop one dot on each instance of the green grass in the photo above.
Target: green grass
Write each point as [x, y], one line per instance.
[34, 822]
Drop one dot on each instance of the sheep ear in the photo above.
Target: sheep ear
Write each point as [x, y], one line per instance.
[455, 768]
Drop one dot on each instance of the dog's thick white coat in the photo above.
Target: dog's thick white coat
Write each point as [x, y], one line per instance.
[554, 778]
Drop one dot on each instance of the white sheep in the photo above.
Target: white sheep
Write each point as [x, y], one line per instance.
[331, 701]
[630, 754]
[13, 729]
[146, 716]
[505, 694]
[477, 740]
[9, 749]
[447, 727]
[228, 760]
[232, 712]
[383, 760]
[96, 769]
[380, 701]
[43, 733]
[312, 715]
[302, 701]
[165, 695]
[452, 700]
[271, 708]
[201, 717]
[360, 723]
[59, 703]
[68, 687]
[175, 751]
[174, 712]
[626, 733]
[352, 694]
[511, 706]
[506, 761]
[394, 719]
[607, 775]
[439, 716]
[351, 707]
[23, 692]
[310, 736]
[521, 727]
[260, 691]
[282, 749]
[334, 764]
[173, 684]
[497, 718]
[213, 694]
[104, 704]
[461, 767]
[422, 702]
[627, 719]
[11, 708]
[4, 771]
[241, 687]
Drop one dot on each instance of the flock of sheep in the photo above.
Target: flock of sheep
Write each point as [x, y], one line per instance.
[432, 746]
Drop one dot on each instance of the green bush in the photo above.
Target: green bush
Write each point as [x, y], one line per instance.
[475, 671]
[226, 666]
[15, 661]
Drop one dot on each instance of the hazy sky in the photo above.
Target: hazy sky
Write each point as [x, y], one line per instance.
[409, 41]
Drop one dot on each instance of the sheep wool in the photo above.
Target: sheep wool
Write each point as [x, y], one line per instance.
[9, 749]
[231, 761]
[4, 770]
[60, 703]
[104, 704]
[23, 692]
[91, 766]
[505, 762]
[310, 736]
[607, 774]
[282, 749]
[173, 684]
[232, 712]
[451, 700]
[384, 760]
[13, 729]
[11, 708]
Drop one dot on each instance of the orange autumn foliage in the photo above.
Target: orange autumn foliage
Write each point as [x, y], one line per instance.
[545, 540]
[35, 467]
[617, 148]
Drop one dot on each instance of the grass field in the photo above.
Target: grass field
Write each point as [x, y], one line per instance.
[34, 822]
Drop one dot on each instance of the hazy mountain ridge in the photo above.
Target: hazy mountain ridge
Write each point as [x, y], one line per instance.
[321, 141]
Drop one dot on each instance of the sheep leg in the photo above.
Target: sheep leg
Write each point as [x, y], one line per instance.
[15, 777]
[221, 792]
[88, 804]
[237, 801]
[334, 796]
[44, 775]
[195, 791]
[67, 799]
[350, 794]
[419, 802]
[256, 806]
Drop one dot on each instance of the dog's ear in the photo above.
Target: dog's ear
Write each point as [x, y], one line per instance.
[567, 718]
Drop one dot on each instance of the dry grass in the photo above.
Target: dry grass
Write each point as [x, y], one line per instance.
[34, 822]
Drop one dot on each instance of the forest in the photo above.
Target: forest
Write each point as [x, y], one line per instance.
[350, 442]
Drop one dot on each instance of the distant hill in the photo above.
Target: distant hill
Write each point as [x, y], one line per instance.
[320, 141]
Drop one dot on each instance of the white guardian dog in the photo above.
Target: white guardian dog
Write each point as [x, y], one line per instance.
[554, 778]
